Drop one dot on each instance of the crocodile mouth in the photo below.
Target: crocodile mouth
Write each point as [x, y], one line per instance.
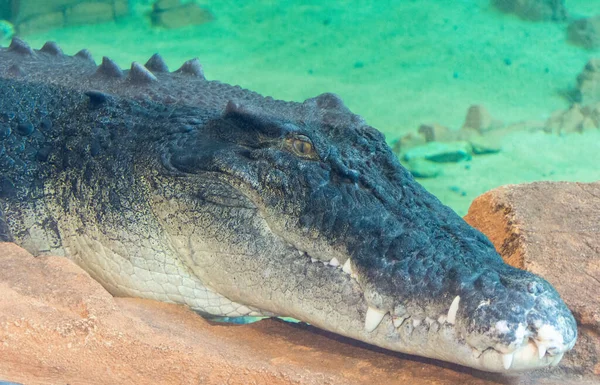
[439, 337]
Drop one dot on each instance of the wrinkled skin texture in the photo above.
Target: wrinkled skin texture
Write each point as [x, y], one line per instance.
[172, 187]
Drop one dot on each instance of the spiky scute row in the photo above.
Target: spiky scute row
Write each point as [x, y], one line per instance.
[138, 74]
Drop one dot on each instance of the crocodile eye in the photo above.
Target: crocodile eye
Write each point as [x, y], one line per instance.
[302, 146]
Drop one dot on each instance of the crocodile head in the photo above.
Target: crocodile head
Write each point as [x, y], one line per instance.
[324, 225]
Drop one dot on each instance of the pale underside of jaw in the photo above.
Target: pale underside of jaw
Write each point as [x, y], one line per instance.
[438, 338]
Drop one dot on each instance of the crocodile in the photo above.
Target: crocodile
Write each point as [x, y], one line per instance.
[168, 186]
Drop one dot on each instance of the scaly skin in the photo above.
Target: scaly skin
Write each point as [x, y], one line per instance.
[168, 186]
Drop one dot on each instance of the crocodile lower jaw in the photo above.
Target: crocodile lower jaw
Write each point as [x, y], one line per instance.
[438, 338]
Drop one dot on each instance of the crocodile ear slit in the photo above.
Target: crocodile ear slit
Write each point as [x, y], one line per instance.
[97, 98]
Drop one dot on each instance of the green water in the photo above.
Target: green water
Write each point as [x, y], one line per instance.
[397, 63]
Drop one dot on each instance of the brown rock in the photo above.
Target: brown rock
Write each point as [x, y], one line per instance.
[408, 141]
[436, 133]
[121, 8]
[59, 326]
[36, 16]
[585, 32]
[41, 23]
[184, 15]
[89, 13]
[162, 5]
[571, 120]
[588, 82]
[592, 112]
[535, 10]
[552, 229]
[478, 118]
[23, 10]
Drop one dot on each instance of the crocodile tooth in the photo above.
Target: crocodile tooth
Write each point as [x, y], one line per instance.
[557, 359]
[347, 268]
[140, 74]
[19, 46]
[156, 64]
[541, 346]
[313, 259]
[373, 319]
[192, 67]
[52, 48]
[398, 321]
[300, 252]
[109, 68]
[507, 360]
[451, 317]
[416, 322]
[334, 262]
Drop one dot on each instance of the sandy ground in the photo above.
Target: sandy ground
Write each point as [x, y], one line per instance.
[397, 63]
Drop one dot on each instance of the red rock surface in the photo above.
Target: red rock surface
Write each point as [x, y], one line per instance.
[553, 229]
[59, 326]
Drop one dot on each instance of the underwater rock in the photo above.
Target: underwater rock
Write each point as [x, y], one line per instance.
[163, 5]
[408, 141]
[121, 8]
[89, 13]
[422, 168]
[168, 14]
[575, 119]
[585, 32]
[588, 83]
[593, 113]
[561, 122]
[481, 145]
[36, 16]
[41, 23]
[436, 133]
[440, 152]
[551, 229]
[479, 118]
[480, 134]
[535, 10]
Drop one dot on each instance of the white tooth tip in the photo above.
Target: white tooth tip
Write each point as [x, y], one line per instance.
[541, 349]
[313, 259]
[451, 317]
[416, 322]
[507, 360]
[347, 268]
[373, 319]
[557, 359]
[398, 321]
[334, 262]
[300, 252]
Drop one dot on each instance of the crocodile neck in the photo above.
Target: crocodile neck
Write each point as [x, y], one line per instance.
[57, 157]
